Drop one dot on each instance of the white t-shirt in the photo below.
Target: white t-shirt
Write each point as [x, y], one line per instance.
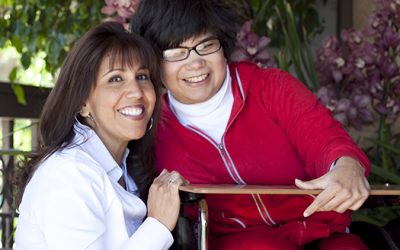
[74, 201]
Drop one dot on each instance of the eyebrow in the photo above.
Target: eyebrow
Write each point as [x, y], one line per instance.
[111, 70]
[207, 38]
[142, 67]
[201, 41]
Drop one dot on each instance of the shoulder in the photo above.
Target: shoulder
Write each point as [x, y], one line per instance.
[265, 84]
[74, 163]
[69, 174]
[251, 75]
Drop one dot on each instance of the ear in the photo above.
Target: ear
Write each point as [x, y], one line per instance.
[84, 111]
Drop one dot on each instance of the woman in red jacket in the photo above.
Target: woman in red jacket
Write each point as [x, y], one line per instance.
[238, 123]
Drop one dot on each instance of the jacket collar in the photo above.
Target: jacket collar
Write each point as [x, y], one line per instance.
[87, 139]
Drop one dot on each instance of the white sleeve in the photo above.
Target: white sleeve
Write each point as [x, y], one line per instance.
[151, 235]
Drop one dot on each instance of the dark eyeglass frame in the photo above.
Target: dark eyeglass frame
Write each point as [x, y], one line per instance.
[189, 49]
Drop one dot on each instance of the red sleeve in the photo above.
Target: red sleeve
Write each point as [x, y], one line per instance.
[309, 126]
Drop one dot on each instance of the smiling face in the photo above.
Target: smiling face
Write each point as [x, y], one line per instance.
[121, 103]
[197, 78]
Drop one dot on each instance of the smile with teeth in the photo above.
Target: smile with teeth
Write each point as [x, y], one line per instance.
[197, 78]
[132, 111]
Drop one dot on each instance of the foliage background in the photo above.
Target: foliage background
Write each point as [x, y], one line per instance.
[44, 29]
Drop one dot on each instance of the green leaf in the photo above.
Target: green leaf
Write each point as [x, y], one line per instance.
[282, 60]
[19, 93]
[13, 74]
[17, 43]
[389, 176]
[260, 16]
[388, 146]
[26, 60]
[255, 4]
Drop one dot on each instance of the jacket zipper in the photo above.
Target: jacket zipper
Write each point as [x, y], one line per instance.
[223, 153]
[230, 166]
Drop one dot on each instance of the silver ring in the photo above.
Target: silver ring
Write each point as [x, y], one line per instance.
[172, 179]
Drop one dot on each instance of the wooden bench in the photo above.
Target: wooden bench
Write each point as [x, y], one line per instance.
[200, 190]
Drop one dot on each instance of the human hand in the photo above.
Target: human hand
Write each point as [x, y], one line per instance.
[344, 187]
[163, 202]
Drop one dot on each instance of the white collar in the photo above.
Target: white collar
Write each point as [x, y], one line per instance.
[87, 139]
[203, 108]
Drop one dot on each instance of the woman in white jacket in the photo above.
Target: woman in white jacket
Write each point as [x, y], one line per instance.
[84, 188]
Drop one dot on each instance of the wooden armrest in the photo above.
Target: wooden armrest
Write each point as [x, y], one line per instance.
[273, 189]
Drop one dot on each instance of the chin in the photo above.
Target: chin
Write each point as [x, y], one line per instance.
[137, 135]
[202, 99]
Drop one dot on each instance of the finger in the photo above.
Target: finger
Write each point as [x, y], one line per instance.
[181, 181]
[343, 199]
[361, 195]
[177, 179]
[349, 199]
[353, 203]
[357, 204]
[338, 204]
[361, 199]
[161, 175]
[323, 198]
[366, 185]
[173, 178]
[347, 205]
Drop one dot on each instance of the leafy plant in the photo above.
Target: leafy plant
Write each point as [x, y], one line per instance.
[294, 52]
[266, 22]
[361, 84]
[296, 49]
[49, 26]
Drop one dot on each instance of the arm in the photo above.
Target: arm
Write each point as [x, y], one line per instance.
[163, 210]
[79, 213]
[319, 141]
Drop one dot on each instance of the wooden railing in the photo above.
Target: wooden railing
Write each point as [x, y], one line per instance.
[197, 191]
[10, 111]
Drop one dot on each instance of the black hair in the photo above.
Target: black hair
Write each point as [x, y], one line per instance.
[167, 23]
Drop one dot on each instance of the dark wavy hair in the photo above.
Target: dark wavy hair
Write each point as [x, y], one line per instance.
[167, 23]
[76, 80]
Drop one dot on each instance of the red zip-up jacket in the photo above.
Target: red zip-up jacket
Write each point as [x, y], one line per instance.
[277, 131]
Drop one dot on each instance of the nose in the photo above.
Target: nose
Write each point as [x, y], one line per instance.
[134, 90]
[195, 61]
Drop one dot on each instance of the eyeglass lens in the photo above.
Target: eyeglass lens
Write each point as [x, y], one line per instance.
[181, 53]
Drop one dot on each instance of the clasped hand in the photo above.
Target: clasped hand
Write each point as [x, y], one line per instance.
[163, 202]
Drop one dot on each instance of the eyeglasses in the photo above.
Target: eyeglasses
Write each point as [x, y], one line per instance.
[203, 48]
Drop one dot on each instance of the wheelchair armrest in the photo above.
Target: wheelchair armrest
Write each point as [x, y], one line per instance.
[194, 193]
[273, 189]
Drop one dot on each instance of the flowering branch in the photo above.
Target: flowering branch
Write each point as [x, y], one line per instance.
[120, 10]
